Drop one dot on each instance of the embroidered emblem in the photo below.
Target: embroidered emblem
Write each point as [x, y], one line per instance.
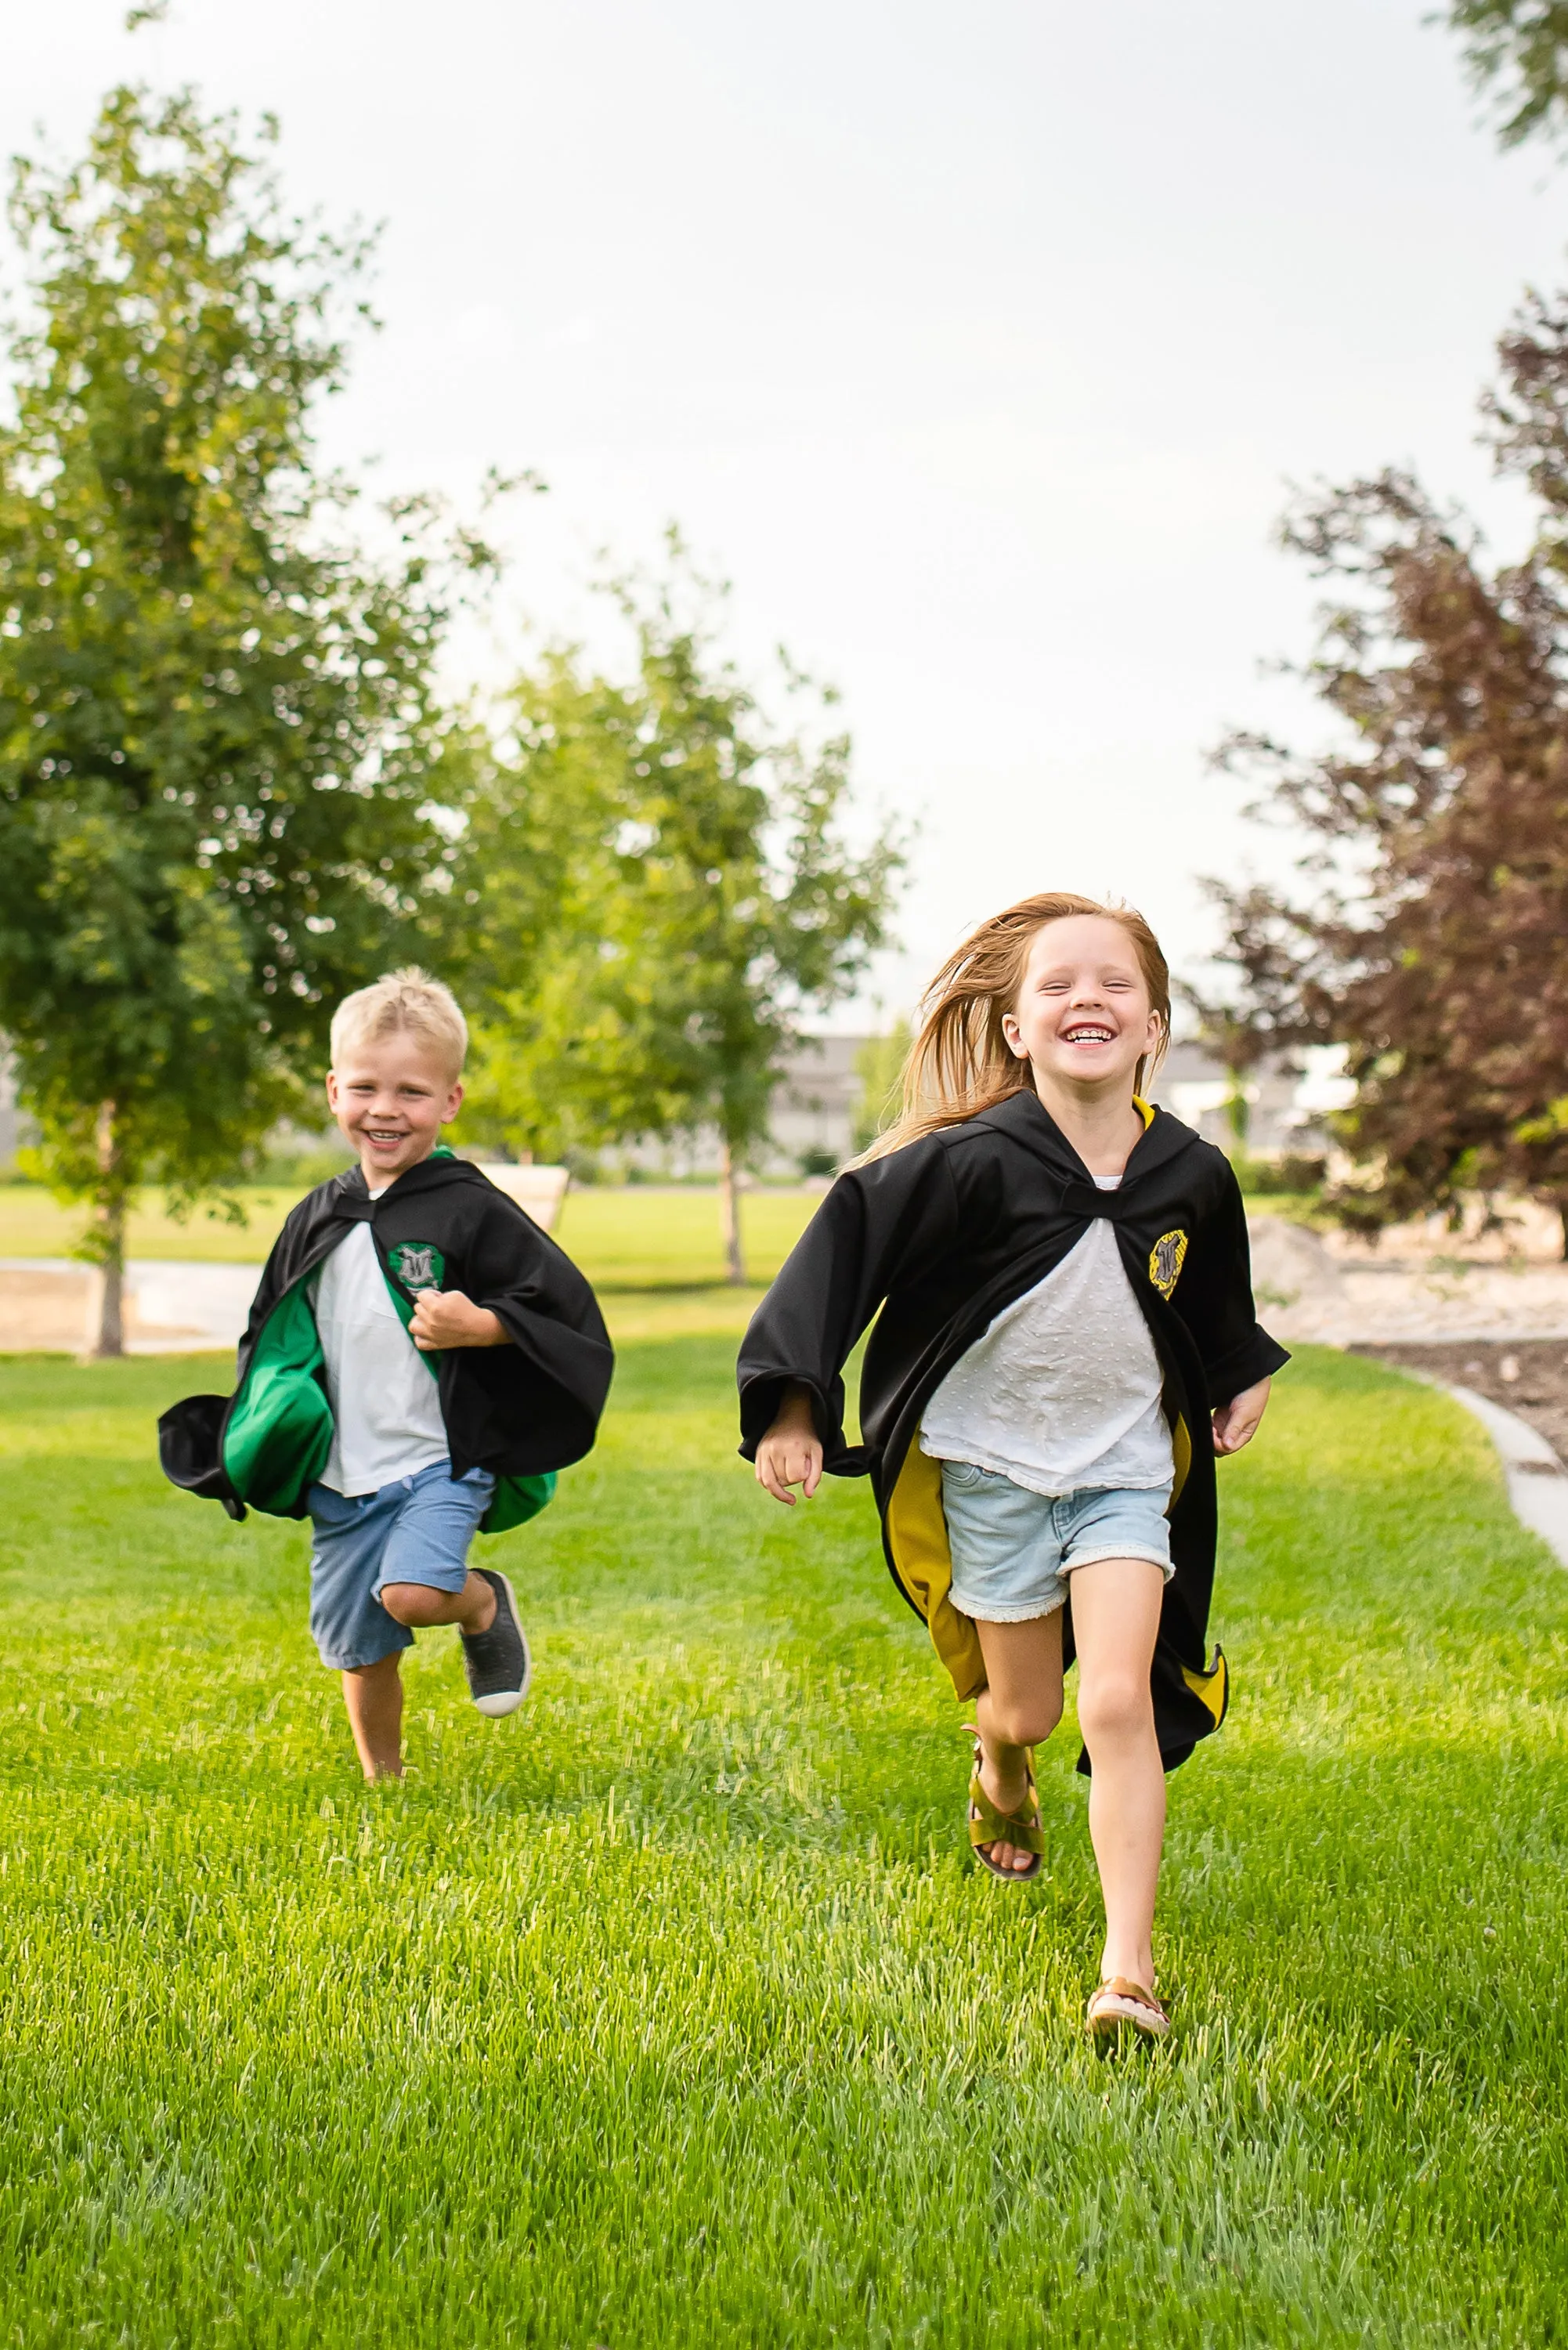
[418, 1264]
[1165, 1261]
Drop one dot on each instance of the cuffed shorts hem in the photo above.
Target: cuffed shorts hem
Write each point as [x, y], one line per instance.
[995, 1611]
[426, 1576]
[415, 1530]
[1118, 1550]
[357, 1659]
[1014, 1550]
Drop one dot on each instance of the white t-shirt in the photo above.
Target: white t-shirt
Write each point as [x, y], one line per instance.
[1062, 1394]
[385, 1403]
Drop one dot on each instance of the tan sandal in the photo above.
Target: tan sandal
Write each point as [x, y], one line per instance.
[1021, 1828]
[1119, 2002]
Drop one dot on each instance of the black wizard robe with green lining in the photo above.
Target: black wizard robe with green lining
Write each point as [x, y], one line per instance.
[927, 1246]
[522, 1411]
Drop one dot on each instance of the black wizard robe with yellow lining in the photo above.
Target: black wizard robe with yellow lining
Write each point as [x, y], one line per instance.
[929, 1245]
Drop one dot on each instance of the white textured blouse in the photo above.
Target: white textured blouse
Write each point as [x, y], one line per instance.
[1061, 1393]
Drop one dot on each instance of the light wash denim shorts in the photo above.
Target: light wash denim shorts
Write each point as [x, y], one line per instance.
[1014, 1550]
[415, 1530]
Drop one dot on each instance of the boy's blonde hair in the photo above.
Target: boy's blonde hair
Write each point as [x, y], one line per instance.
[959, 1062]
[408, 999]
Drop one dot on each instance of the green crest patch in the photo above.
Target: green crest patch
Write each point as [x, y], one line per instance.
[418, 1264]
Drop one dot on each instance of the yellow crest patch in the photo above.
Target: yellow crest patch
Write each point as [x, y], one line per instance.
[1165, 1261]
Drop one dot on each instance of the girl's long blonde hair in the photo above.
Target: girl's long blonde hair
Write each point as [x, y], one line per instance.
[959, 1062]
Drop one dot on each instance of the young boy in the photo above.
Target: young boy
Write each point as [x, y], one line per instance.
[419, 1361]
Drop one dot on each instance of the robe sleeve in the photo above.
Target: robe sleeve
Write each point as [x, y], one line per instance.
[1214, 1298]
[275, 1280]
[189, 1433]
[875, 1229]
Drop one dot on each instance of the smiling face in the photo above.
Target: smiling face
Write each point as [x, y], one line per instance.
[1084, 1018]
[391, 1097]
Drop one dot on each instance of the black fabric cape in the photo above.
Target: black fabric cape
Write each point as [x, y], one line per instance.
[522, 1411]
[933, 1241]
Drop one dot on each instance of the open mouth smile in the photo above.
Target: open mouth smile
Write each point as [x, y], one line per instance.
[1087, 1032]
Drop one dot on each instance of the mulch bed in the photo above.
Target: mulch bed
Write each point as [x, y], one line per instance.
[1530, 1376]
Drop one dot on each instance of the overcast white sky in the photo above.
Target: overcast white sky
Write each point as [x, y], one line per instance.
[975, 344]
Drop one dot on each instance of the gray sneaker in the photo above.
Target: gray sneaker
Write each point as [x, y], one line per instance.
[497, 1662]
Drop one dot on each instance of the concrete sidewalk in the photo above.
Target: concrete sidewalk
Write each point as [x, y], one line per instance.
[171, 1307]
[1537, 1484]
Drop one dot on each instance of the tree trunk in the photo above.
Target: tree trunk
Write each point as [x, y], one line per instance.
[729, 1215]
[1238, 1107]
[106, 1308]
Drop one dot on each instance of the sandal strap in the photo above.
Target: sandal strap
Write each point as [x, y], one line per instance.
[1123, 1987]
[1023, 1828]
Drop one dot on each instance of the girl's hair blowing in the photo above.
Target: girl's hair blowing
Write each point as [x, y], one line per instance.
[959, 1062]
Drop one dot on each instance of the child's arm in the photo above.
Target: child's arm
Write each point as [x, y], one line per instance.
[790, 1452]
[1214, 1297]
[877, 1226]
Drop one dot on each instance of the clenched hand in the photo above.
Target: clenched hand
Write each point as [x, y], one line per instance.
[790, 1452]
[1236, 1422]
[445, 1317]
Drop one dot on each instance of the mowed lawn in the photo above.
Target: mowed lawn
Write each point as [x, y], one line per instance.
[638, 1236]
[668, 2011]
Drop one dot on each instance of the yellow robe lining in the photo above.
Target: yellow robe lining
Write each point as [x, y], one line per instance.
[923, 1561]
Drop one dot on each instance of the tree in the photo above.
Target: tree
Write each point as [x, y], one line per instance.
[1435, 945]
[220, 732]
[1259, 1018]
[667, 891]
[1518, 49]
[879, 1065]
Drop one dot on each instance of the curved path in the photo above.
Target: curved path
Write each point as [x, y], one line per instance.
[1537, 1483]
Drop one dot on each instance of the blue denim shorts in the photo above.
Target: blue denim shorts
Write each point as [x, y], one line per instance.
[1012, 1550]
[415, 1530]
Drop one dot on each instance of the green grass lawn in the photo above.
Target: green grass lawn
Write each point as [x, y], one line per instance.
[667, 2012]
[32, 1222]
[656, 1256]
[635, 1238]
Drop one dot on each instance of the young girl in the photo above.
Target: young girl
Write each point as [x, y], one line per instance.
[1065, 1302]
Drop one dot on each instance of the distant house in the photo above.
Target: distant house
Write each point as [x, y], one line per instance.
[815, 1108]
[812, 1128]
[1285, 1107]
[818, 1100]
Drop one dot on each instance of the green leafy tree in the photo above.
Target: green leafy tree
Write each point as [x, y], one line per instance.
[667, 891]
[1258, 1017]
[879, 1065]
[220, 732]
[1518, 51]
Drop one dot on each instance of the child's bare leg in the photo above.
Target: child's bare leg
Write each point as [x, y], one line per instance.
[374, 1697]
[1018, 1707]
[1115, 1618]
[422, 1604]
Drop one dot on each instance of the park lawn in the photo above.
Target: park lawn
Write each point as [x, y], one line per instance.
[32, 1222]
[667, 2013]
[655, 1256]
[638, 1237]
